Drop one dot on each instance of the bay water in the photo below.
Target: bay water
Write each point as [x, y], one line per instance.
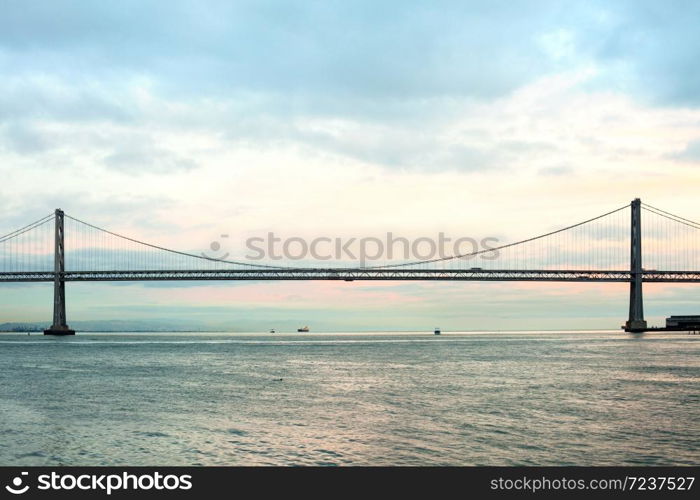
[382, 398]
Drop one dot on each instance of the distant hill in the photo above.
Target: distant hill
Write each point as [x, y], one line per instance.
[118, 325]
[22, 327]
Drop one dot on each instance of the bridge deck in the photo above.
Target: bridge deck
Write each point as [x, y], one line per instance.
[351, 274]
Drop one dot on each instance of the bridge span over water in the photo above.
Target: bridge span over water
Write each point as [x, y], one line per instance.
[59, 248]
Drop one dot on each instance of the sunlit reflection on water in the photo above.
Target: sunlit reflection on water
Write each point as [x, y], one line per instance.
[538, 398]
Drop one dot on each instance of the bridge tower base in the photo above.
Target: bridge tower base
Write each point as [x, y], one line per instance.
[59, 326]
[54, 331]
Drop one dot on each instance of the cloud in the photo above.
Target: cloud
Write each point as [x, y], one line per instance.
[24, 139]
[380, 84]
[690, 154]
[141, 155]
[336, 57]
[396, 49]
[556, 171]
[30, 93]
[651, 48]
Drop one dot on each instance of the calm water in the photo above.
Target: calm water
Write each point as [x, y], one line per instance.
[413, 399]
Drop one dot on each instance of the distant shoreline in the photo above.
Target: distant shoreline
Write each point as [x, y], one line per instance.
[556, 330]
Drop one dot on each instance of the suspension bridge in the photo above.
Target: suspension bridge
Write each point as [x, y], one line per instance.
[59, 248]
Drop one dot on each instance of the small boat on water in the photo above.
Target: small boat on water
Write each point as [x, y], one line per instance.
[437, 330]
[303, 329]
[272, 330]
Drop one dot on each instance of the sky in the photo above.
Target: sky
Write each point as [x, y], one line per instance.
[176, 122]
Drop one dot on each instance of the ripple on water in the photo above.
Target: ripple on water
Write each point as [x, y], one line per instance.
[152, 434]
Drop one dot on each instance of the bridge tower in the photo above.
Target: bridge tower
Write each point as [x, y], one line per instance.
[59, 326]
[636, 322]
